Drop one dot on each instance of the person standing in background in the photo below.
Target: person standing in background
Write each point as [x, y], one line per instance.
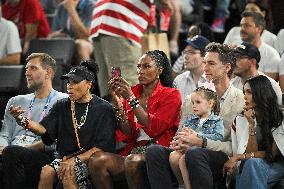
[29, 17]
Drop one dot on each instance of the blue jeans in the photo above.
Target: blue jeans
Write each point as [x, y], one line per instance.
[257, 173]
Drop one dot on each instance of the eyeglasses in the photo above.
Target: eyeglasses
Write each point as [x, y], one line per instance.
[189, 52]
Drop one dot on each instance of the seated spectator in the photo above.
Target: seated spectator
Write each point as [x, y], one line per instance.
[260, 6]
[81, 124]
[257, 138]
[146, 113]
[252, 25]
[247, 59]
[202, 29]
[73, 19]
[10, 45]
[40, 70]
[219, 64]
[204, 122]
[29, 17]
[193, 55]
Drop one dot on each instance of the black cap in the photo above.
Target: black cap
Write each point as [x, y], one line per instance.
[198, 42]
[79, 74]
[247, 49]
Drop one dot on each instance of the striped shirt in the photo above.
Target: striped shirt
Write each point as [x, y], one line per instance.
[122, 18]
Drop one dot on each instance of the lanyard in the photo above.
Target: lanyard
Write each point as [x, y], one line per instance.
[74, 124]
[43, 112]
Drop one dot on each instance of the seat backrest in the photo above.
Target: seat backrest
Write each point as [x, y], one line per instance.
[59, 49]
[11, 78]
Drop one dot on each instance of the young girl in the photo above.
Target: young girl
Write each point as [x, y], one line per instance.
[203, 122]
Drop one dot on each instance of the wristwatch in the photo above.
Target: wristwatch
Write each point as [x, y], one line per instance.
[23, 122]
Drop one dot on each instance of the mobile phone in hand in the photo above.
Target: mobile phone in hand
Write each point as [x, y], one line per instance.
[115, 72]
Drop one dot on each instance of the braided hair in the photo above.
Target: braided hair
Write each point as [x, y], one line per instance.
[161, 60]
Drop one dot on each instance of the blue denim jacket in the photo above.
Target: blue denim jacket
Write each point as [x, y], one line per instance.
[212, 128]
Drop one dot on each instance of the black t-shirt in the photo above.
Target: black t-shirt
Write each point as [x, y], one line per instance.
[98, 130]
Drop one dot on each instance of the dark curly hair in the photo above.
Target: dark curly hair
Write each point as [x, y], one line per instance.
[268, 112]
[208, 94]
[161, 60]
[226, 54]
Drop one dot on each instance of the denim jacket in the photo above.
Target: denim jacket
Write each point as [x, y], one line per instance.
[212, 128]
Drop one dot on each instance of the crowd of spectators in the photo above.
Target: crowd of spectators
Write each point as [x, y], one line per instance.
[145, 126]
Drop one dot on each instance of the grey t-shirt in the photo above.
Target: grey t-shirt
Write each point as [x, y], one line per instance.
[11, 131]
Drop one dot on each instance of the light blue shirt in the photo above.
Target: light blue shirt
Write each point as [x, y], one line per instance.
[11, 131]
[185, 84]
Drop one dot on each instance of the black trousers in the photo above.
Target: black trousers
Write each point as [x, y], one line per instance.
[159, 171]
[22, 166]
[205, 167]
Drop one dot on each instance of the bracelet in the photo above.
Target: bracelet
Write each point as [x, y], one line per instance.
[204, 142]
[77, 159]
[252, 155]
[28, 125]
[25, 122]
[134, 103]
[252, 132]
[131, 98]
[118, 109]
[120, 119]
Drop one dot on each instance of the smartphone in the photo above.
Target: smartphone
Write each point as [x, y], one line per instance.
[115, 72]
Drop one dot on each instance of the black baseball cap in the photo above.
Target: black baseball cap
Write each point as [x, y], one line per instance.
[198, 42]
[247, 49]
[79, 74]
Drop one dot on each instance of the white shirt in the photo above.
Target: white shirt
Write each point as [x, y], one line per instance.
[270, 59]
[234, 38]
[281, 66]
[279, 43]
[237, 82]
[185, 84]
[9, 38]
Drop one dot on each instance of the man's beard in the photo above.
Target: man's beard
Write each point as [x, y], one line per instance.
[249, 39]
[35, 86]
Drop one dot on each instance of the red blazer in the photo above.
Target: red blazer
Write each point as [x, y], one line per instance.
[163, 111]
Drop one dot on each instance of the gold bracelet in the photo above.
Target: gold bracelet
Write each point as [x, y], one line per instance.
[252, 132]
[120, 118]
[118, 109]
